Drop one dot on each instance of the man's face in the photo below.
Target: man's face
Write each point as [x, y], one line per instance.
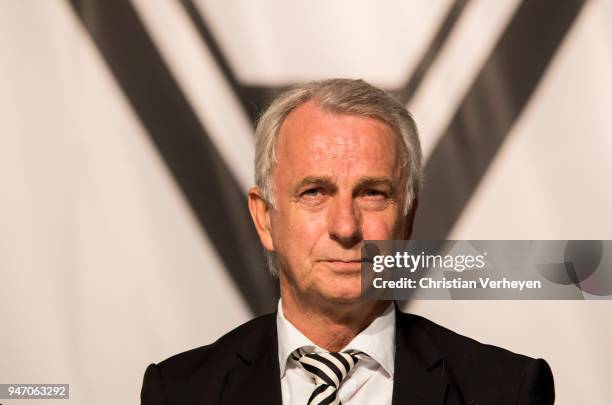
[338, 181]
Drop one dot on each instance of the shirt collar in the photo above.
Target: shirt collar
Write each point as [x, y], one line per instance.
[377, 340]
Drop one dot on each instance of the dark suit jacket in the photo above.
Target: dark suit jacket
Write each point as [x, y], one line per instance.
[433, 365]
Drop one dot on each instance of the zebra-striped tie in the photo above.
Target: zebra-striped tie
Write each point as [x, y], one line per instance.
[328, 371]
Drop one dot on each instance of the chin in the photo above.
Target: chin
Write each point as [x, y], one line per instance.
[340, 288]
[342, 295]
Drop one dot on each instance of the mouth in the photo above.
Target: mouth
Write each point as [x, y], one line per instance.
[343, 266]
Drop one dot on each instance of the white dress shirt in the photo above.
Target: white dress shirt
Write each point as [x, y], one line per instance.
[369, 382]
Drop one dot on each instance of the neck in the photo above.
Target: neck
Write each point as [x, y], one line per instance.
[330, 325]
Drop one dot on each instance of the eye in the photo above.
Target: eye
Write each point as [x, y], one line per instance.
[312, 192]
[313, 196]
[372, 193]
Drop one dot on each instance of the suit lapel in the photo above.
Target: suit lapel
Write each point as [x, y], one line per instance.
[419, 368]
[257, 377]
[420, 375]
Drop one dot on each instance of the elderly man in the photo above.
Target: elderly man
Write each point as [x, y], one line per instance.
[339, 162]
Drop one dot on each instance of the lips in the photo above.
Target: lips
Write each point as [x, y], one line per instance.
[343, 265]
[340, 260]
[359, 260]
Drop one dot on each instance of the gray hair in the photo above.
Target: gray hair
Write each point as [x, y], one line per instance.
[341, 96]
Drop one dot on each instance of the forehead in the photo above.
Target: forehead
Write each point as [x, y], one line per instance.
[320, 142]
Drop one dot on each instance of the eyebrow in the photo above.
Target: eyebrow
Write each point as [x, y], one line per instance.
[367, 181]
[362, 183]
[323, 181]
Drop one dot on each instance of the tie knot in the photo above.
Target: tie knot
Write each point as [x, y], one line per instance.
[328, 368]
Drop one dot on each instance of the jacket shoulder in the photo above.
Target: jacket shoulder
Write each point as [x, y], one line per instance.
[198, 376]
[486, 371]
[222, 352]
[454, 345]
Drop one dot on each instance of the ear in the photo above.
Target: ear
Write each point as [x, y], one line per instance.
[260, 213]
[410, 218]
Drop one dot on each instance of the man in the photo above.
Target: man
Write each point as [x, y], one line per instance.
[339, 162]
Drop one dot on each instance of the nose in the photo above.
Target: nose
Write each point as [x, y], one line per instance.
[344, 221]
